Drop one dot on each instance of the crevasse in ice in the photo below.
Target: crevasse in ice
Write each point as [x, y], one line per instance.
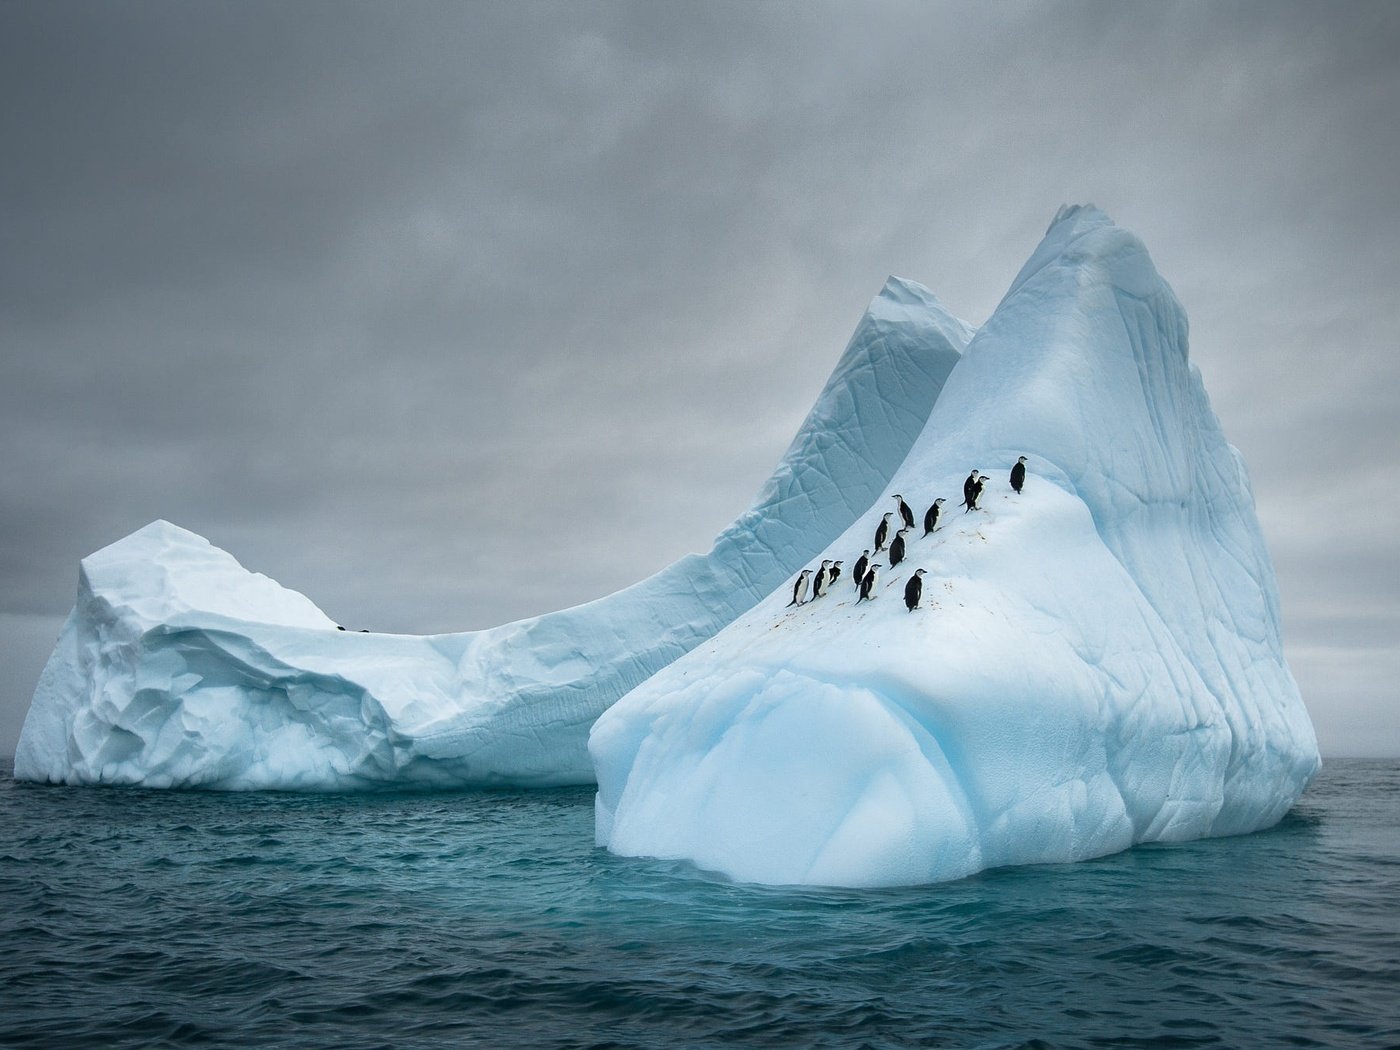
[178, 668]
[1096, 661]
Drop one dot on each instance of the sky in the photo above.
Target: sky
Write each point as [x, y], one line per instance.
[450, 314]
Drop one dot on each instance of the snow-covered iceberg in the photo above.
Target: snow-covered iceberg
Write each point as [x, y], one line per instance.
[178, 668]
[1096, 661]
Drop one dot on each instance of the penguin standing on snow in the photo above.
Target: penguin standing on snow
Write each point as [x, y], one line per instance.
[882, 532]
[862, 563]
[968, 484]
[914, 589]
[905, 514]
[976, 493]
[799, 589]
[897, 548]
[834, 573]
[1018, 475]
[867, 585]
[819, 580]
[931, 515]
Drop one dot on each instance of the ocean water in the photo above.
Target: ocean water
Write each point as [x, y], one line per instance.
[142, 918]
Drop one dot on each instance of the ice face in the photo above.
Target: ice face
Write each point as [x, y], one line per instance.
[178, 668]
[1095, 662]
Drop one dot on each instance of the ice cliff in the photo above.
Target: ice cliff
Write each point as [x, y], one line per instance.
[1096, 662]
[178, 668]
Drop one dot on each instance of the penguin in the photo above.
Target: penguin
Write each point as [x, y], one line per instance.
[914, 589]
[897, 548]
[867, 585]
[862, 563]
[931, 515]
[976, 493]
[799, 589]
[834, 573]
[968, 483]
[904, 512]
[819, 580]
[1018, 475]
[882, 532]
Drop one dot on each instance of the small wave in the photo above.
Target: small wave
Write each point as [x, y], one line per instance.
[158, 919]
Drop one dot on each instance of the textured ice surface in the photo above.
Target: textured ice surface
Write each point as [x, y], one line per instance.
[178, 668]
[1096, 662]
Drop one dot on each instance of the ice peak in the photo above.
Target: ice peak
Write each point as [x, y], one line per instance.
[162, 532]
[904, 302]
[903, 290]
[1084, 248]
[1079, 215]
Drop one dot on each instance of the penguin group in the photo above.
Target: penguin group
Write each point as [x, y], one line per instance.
[865, 573]
[821, 582]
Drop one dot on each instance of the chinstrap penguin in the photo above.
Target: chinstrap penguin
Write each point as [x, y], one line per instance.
[976, 492]
[858, 573]
[867, 585]
[905, 514]
[1018, 474]
[882, 532]
[799, 589]
[914, 589]
[897, 548]
[968, 484]
[931, 515]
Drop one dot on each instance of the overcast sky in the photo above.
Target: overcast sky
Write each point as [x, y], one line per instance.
[448, 314]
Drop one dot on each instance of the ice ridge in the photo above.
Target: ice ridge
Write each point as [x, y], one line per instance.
[178, 668]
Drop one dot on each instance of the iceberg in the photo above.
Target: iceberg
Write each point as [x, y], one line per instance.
[1095, 662]
[178, 668]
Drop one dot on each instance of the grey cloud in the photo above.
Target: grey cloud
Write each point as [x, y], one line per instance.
[447, 314]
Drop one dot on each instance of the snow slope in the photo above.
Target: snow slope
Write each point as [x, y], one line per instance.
[178, 668]
[1096, 662]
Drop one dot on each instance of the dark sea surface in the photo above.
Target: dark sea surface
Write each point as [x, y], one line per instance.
[144, 918]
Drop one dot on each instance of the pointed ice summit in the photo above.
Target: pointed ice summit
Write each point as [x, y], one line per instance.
[1095, 661]
[178, 668]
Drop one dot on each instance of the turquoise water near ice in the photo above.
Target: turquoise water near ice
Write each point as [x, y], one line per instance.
[143, 918]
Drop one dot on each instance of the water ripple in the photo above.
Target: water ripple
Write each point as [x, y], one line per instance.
[135, 918]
